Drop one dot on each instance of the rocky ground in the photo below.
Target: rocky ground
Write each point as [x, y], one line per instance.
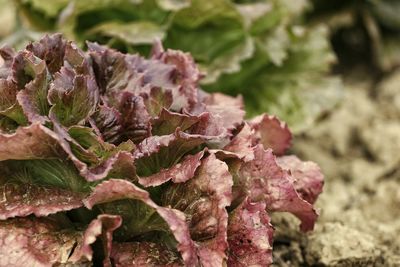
[358, 149]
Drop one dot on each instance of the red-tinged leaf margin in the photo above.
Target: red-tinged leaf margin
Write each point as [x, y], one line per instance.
[20, 200]
[307, 176]
[204, 200]
[35, 242]
[116, 189]
[32, 142]
[266, 181]
[98, 172]
[187, 74]
[103, 226]
[214, 179]
[271, 133]
[227, 110]
[179, 173]
[242, 144]
[250, 235]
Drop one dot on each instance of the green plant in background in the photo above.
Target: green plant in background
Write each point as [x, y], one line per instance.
[364, 32]
[259, 49]
[7, 19]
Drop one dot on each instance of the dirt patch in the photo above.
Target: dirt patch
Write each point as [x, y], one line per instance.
[358, 149]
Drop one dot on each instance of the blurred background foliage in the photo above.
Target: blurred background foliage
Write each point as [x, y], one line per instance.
[276, 53]
[264, 50]
[364, 33]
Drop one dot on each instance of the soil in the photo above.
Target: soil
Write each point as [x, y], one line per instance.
[358, 149]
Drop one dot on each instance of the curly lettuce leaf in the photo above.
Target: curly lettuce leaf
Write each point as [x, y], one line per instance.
[103, 227]
[21, 200]
[267, 182]
[9, 107]
[44, 242]
[178, 173]
[36, 242]
[160, 152]
[114, 189]
[250, 235]
[204, 199]
[297, 90]
[307, 177]
[272, 133]
[31, 142]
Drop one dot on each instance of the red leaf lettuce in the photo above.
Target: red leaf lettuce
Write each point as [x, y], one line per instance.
[114, 159]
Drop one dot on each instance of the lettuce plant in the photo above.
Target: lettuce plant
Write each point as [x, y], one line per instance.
[114, 159]
[260, 49]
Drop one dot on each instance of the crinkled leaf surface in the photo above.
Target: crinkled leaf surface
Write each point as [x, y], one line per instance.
[250, 235]
[103, 226]
[266, 181]
[272, 133]
[143, 254]
[110, 158]
[30, 142]
[308, 179]
[178, 173]
[205, 198]
[35, 242]
[119, 189]
[21, 200]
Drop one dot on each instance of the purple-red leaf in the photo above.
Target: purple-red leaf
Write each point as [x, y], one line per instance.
[242, 144]
[167, 122]
[179, 173]
[308, 178]
[135, 120]
[271, 133]
[8, 94]
[103, 227]
[161, 152]
[9, 106]
[31, 142]
[35, 242]
[115, 189]
[119, 162]
[186, 75]
[266, 181]
[107, 123]
[144, 254]
[20, 200]
[227, 110]
[74, 97]
[30, 73]
[205, 198]
[157, 100]
[51, 49]
[250, 236]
